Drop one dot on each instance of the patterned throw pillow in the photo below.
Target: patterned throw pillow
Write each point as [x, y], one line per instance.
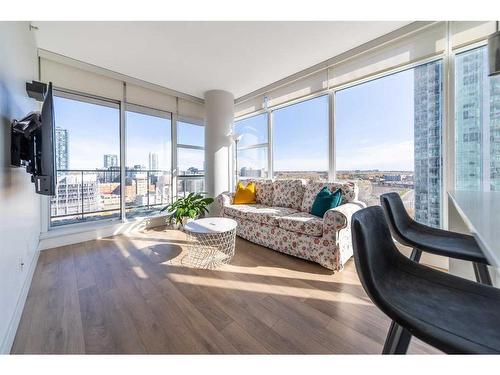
[244, 194]
[264, 192]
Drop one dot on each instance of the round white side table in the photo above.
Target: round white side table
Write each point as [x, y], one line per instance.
[211, 241]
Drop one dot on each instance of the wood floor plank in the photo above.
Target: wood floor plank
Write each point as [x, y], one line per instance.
[97, 334]
[136, 294]
[55, 327]
[242, 340]
[121, 325]
[83, 268]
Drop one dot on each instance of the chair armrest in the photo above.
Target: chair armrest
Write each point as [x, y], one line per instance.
[339, 217]
[225, 199]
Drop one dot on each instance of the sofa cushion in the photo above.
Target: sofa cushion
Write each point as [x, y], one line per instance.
[258, 213]
[263, 191]
[302, 222]
[349, 192]
[288, 193]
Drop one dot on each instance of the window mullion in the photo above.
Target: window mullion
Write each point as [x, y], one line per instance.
[270, 165]
[122, 153]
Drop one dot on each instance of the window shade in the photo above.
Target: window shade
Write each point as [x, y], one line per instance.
[425, 43]
[464, 32]
[249, 106]
[149, 98]
[191, 112]
[72, 78]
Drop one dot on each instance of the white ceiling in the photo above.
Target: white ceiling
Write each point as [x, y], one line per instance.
[193, 57]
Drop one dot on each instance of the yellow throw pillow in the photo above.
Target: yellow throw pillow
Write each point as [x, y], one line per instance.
[244, 194]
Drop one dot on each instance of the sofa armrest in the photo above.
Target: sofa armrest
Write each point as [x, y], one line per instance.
[225, 199]
[339, 217]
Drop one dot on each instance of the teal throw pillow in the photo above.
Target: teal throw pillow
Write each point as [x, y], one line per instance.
[325, 200]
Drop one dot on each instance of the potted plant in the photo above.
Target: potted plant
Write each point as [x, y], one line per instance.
[185, 209]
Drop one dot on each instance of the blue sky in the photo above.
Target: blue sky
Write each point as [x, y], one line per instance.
[301, 136]
[94, 131]
[374, 130]
[374, 124]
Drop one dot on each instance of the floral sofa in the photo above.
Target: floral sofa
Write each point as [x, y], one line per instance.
[280, 220]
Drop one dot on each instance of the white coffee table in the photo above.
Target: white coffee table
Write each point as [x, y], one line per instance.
[212, 241]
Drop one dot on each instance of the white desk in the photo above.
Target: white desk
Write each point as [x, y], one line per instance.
[480, 212]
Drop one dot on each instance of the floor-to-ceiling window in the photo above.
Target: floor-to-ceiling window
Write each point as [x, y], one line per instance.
[388, 137]
[148, 175]
[300, 140]
[477, 123]
[87, 146]
[252, 147]
[190, 158]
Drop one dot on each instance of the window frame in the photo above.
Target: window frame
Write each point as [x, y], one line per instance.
[183, 146]
[446, 59]
[95, 100]
[153, 112]
[326, 94]
[264, 145]
[414, 65]
[122, 106]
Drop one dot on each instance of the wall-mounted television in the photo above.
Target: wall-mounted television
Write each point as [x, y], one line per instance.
[32, 141]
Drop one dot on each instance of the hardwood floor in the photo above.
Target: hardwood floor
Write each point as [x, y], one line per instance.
[134, 294]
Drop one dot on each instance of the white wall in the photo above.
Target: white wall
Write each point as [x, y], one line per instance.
[19, 205]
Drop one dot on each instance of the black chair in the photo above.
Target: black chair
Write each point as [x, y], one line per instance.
[453, 314]
[432, 240]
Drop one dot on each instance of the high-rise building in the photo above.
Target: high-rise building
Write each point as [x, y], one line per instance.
[110, 161]
[61, 144]
[75, 194]
[495, 133]
[427, 143]
[477, 116]
[153, 161]
[250, 172]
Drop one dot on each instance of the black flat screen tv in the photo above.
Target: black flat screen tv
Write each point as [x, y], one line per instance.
[32, 145]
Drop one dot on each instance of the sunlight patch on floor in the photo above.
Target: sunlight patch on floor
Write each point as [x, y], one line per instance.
[267, 288]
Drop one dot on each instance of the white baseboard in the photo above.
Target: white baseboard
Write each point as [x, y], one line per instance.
[8, 340]
[86, 232]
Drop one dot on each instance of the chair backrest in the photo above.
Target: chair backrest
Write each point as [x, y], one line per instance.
[374, 249]
[396, 215]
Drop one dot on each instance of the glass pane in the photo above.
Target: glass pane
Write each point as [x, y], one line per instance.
[253, 130]
[186, 185]
[392, 142]
[252, 163]
[88, 167]
[477, 116]
[66, 206]
[148, 167]
[190, 134]
[190, 161]
[300, 140]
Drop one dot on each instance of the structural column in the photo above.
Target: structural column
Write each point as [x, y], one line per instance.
[219, 117]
